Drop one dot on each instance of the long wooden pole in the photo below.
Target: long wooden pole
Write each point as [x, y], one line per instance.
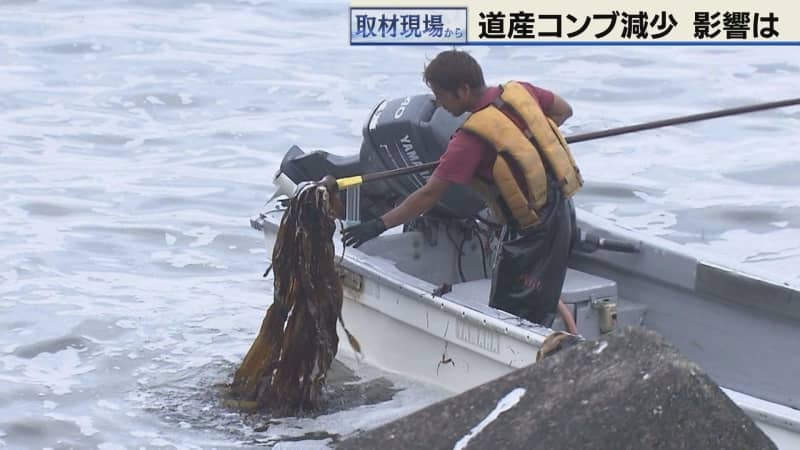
[682, 120]
[356, 180]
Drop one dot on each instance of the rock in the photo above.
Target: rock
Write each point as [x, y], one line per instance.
[627, 390]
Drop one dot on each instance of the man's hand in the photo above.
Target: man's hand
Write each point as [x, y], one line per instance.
[358, 234]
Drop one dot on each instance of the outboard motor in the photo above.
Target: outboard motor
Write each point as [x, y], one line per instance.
[398, 133]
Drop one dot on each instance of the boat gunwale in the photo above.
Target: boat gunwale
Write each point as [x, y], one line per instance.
[766, 411]
[693, 270]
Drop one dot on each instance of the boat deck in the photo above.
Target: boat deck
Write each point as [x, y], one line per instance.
[471, 287]
[581, 292]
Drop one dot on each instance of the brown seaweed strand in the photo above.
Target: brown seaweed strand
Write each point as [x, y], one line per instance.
[284, 371]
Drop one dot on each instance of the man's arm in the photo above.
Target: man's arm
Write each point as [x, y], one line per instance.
[559, 111]
[417, 203]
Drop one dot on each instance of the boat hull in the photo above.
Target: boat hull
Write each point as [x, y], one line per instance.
[441, 340]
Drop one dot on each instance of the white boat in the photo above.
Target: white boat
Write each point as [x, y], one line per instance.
[740, 329]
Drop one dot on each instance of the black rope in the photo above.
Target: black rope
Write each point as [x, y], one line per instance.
[483, 252]
[459, 249]
[461, 255]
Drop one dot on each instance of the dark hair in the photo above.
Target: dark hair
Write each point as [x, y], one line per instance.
[451, 69]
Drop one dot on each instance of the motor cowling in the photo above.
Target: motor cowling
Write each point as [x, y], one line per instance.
[409, 131]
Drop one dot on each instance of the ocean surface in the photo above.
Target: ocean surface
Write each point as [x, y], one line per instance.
[137, 138]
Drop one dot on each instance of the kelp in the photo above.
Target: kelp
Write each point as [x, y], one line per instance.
[285, 369]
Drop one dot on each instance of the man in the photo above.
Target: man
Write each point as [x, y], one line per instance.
[510, 150]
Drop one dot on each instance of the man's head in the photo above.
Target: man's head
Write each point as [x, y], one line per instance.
[456, 80]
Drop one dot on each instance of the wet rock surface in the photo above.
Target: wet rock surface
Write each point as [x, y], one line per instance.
[628, 390]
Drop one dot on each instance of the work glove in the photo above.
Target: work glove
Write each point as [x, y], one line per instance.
[358, 234]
